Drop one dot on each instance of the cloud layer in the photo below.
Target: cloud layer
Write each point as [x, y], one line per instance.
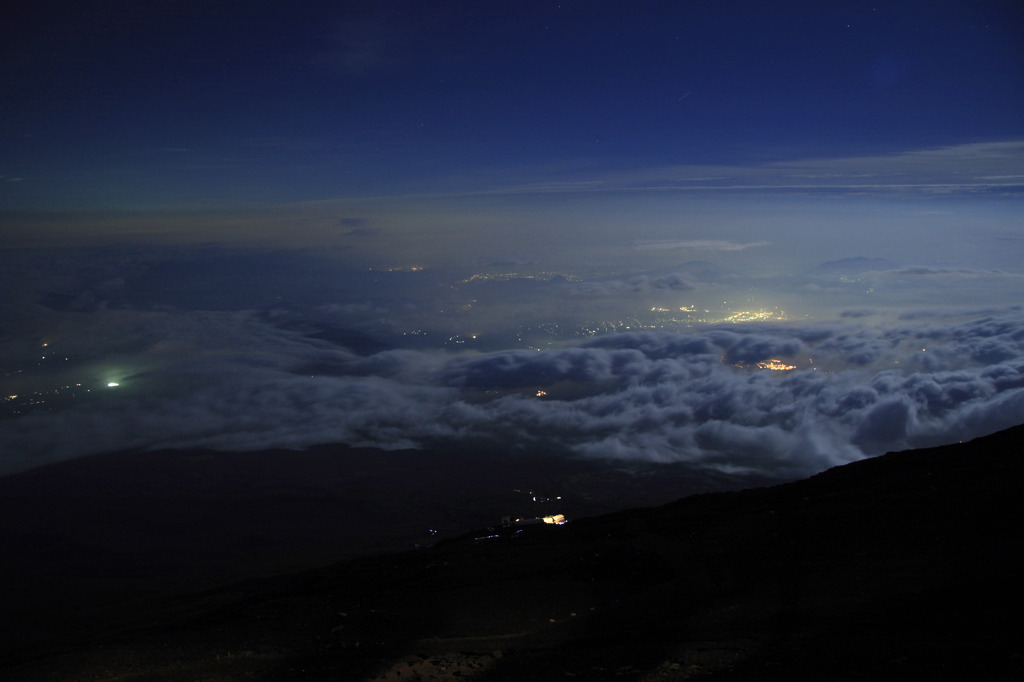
[237, 381]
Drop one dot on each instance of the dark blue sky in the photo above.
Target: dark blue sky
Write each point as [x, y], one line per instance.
[172, 104]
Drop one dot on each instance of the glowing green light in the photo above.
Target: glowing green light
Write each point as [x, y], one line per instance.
[112, 384]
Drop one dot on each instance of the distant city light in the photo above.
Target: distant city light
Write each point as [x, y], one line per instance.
[112, 384]
[775, 365]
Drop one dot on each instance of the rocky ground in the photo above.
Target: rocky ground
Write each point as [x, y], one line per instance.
[899, 567]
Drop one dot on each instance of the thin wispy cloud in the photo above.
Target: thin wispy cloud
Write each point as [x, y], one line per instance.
[967, 168]
[695, 245]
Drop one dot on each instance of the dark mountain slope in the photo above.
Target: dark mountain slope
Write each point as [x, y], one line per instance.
[903, 566]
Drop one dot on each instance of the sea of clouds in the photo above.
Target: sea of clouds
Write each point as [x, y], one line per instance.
[242, 381]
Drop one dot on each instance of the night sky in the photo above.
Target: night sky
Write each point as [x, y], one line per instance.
[576, 225]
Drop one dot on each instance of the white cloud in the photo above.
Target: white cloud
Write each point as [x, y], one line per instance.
[695, 244]
[234, 381]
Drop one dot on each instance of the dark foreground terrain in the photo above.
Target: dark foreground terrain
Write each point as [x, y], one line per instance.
[905, 566]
